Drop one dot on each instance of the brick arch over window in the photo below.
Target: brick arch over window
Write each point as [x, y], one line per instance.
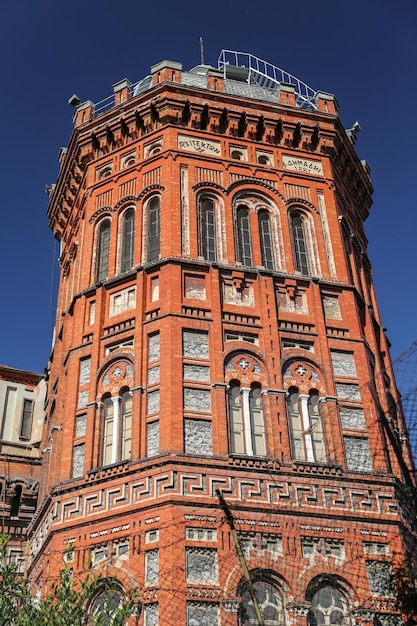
[258, 231]
[269, 591]
[304, 243]
[211, 226]
[329, 600]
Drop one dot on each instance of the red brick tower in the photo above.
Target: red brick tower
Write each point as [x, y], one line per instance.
[217, 331]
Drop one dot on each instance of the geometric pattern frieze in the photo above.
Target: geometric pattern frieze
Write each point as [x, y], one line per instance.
[308, 496]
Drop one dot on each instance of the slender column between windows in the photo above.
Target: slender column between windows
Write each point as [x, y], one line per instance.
[305, 418]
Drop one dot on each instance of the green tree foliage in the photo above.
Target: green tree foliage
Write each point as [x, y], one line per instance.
[68, 601]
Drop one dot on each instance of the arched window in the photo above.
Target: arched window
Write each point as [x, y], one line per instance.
[15, 501]
[117, 428]
[154, 228]
[265, 240]
[328, 608]
[270, 604]
[244, 245]
[246, 420]
[301, 260]
[106, 608]
[207, 230]
[128, 240]
[306, 428]
[103, 247]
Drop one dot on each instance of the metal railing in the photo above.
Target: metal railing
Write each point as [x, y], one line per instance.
[267, 75]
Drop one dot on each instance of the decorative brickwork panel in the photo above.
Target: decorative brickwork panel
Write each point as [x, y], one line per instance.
[343, 363]
[293, 304]
[151, 615]
[153, 348]
[195, 287]
[206, 175]
[122, 301]
[153, 439]
[358, 454]
[202, 614]
[347, 391]
[85, 367]
[195, 344]
[379, 577]
[127, 189]
[196, 372]
[198, 437]
[155, 289]
[197, 399]
[153, 375]
[78, 461]
[296, 191]
[82, 398]
[331, 307]
[153, 401]
[201, 565]
[81, 425]
[152, 178]
[152, 567]
[243, 297]
[352, 418]
[104, 199]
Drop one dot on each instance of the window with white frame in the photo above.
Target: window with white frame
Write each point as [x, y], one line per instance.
[127, 226]
[154, 228]
[207, 218]
[243, 236]
[299, 239]
[117, 428]
[265, 238]
[102, 250]
[246, 421]
[306, 427]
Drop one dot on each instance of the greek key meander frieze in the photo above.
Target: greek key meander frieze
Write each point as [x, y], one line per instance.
[308, 496]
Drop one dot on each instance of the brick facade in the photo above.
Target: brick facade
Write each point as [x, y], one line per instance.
[217, 329]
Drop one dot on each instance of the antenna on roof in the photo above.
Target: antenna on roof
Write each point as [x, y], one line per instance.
[202, 50]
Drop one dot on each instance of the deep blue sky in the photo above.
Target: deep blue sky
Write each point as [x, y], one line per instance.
[363, 51]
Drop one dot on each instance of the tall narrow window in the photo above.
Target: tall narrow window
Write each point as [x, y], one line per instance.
[154, 225]
[299, 241]
[237, 438]
[126, 431]
[128, 239]
[266, 240]
[15, 502]
[26, 424]
[246, 422]
[117, 428]
[208, 230]
[315, 426]
[257, 421]
[244, 246]
[306, 426]
[103, 247]
[108, 427]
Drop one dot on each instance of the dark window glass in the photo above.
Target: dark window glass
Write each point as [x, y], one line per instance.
[154, 225]
[265, 239]
[26, 425]
[208, 228]
[300, 249]
[243, 237]
[128, 235]
[103, 250]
